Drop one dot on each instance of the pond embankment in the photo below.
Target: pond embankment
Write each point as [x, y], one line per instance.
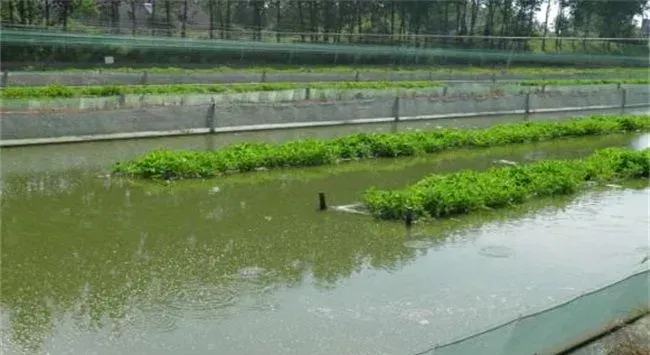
[137, 117]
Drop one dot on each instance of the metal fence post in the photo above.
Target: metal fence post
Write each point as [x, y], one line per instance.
[395, 114]
[211, 117]
[5, 78]
[623, 98]
[145, 78]
[396, 108]
[527, 104]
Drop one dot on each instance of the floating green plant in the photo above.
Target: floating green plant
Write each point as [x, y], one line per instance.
[244, 157]
[459, 193]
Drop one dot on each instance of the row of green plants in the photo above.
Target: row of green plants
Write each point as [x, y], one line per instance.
[574, 82]
[61, 91]
[446, 195]
[245, 157]
[341, 69]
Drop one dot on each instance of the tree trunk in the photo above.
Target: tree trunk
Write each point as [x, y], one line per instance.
[133, 17]
[168, 14]
[47, 13]
[392, 19]
[228, 19]
[184, 20]
[10, 11]
[301, 22]
[312, 21]
[489, 23]
[66, 12]
[278, 14]
[445, 22]
[211, 15]
[402, 24]
[115, 17]
[359, 23]
[152, 18]
[472, 21]
[548, 11]
[22, 9]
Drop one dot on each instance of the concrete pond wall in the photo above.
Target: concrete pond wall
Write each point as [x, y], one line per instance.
[20, 127]
[131, 101]
[144, 78]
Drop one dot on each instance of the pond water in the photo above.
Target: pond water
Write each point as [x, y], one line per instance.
[247, 265]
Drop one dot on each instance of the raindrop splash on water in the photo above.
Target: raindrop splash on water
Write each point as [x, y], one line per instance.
[496, 251]
[198, 300]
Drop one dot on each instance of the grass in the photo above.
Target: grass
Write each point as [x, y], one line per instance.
[457, 70]
[245, 157]
[60, 91]
[439, 196]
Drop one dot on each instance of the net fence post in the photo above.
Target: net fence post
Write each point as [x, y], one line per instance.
[395, 113]
[5, 78]
[211, 116]
[527, 105]
[396, 105]
[623, 98]
[145, 78]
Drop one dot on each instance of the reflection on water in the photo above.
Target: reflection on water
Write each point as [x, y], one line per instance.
[253, 268]
[641, 142]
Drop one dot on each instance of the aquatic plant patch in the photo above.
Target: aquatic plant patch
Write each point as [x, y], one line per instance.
[459, 193]
[244, 157]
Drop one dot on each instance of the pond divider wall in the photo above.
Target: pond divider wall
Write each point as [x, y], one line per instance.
[563, 327]
[43, 127]
[134, 101]
[143, 77]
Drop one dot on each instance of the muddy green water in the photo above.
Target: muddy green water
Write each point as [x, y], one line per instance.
[246, 265]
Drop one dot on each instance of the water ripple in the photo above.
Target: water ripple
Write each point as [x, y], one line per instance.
[496, 251]
[419, 244]
[198, 300]
[153, 319]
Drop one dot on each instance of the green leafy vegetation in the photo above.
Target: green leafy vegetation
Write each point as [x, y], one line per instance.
[571, 82]
[60, 91]
[455, 70]
[463, 192]
[244, 157]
